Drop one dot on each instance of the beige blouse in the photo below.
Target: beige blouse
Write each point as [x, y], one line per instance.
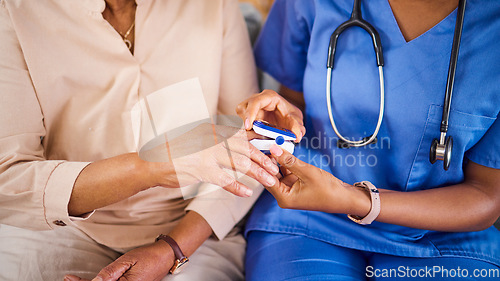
[68, 84]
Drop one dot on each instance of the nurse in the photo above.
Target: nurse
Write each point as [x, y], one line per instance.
[427, 222]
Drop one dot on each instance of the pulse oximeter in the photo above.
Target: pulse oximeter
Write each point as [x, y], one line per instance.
[282, 137]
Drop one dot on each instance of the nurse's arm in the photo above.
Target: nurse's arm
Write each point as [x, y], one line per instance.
[469, 206]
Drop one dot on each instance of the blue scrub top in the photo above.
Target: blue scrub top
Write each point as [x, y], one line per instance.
[293, 48]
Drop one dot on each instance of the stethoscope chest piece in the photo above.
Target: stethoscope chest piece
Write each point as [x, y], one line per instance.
[441, 151]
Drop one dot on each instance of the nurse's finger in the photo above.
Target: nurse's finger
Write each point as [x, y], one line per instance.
[251, 135]
[287, 160]
[283, 171]
[289, 180]
[241, 108]
[296, 126]
[284, 193]
[267, 100]
[279, 191]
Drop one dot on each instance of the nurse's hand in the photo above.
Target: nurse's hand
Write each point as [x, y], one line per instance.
[273, 108]
[307, 187]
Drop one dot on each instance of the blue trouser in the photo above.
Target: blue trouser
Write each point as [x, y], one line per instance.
[275, 256]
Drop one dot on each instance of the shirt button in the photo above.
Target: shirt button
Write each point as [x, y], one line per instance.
[59, 223]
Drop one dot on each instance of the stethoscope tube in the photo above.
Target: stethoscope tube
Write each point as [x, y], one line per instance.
[344, 142]
[355, 20]
[453, 65]
[441, 150]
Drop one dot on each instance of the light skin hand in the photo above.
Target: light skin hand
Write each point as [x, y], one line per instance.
[273, 108]
[111, 180]
[472, 205]
[152, 262]
[202, 154]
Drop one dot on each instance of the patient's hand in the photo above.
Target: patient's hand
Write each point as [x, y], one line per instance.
[213, 154]
[147, 263]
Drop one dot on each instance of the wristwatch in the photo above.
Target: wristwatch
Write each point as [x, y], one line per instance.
[180, 259]
[375, 200]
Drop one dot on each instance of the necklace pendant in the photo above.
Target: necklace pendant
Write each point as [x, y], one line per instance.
[128, 43]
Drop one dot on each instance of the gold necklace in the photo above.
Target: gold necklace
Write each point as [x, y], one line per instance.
[124, 36]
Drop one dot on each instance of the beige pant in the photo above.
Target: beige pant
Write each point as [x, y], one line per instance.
[49, 255]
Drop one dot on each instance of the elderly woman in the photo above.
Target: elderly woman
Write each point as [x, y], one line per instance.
[71, 73]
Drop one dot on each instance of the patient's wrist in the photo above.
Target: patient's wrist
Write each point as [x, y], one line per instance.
[157, 174]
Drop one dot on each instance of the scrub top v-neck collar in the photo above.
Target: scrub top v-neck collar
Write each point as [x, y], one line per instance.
[442, 26]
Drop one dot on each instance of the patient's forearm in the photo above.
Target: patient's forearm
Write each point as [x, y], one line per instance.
[108, 181]
[192, 231]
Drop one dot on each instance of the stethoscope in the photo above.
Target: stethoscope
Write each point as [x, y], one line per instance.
[440, 149]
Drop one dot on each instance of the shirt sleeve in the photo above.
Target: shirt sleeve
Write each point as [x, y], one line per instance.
[221, 209]
[281, 49]
[487, 151]
[34, 192]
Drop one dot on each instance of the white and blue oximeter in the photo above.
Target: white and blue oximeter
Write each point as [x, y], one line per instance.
[282, 137]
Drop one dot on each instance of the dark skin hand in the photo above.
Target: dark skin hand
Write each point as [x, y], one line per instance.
[273, 108]
[472, 205]
[148, 263]
[469, 206]
[152, 262]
